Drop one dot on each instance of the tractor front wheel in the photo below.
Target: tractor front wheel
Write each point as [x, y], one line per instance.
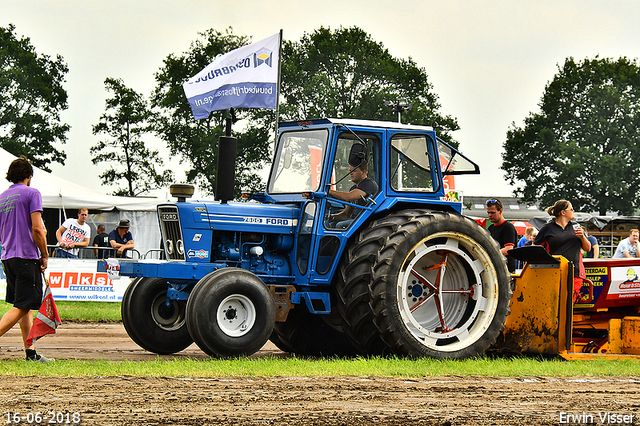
[154, 322]
[230, 313]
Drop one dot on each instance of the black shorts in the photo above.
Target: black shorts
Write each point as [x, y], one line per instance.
[24, 283]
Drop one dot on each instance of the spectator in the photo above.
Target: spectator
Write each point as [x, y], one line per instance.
[528, 236]
[101, 240]
[629, 246]
[526, 239]
[24, 254]
[595, 249]
[561, 238]
[72, 234]
[121, 239]
[502, 231]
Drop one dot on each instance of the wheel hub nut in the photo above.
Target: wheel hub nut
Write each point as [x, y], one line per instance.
[231, 314]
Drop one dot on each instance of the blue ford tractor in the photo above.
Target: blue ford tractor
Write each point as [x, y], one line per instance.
[405, 274]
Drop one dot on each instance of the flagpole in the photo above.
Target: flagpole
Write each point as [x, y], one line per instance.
[278, 90]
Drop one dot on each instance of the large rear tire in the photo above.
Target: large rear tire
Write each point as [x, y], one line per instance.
[310, 334]
[230, 313]
[353, 288]
[150, 321]
[437, 286]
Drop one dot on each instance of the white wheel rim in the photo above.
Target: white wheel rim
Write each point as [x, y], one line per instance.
[236, 315]
[447, 291]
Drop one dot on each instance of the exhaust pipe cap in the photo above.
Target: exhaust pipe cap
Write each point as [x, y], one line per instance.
[181, 191]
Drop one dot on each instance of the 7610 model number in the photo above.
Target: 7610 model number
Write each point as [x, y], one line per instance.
[268, 221]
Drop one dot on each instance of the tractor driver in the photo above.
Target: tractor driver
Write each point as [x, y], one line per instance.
[361, 190]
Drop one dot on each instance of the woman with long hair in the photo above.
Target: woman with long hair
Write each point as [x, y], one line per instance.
[560, 237]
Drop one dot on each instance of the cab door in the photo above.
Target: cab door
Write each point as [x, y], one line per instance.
[331, 235]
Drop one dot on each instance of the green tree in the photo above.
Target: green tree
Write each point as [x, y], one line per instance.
[346, 74]
[126, 121]
[31, 100]
[196, 141]
[584, 144]
[343, 73]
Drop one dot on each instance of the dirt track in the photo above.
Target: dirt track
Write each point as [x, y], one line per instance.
[297, 401]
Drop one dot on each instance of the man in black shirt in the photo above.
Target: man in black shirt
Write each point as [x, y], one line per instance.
[101, 240]
[502, 231]
[361, 190]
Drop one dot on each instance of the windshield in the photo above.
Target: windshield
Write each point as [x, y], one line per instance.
[298, 162]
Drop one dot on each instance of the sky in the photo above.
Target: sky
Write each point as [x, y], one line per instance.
[488, 61]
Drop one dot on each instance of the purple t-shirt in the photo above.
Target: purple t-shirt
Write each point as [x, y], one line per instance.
[16, 234]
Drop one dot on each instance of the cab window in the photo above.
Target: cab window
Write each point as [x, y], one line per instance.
[413, 164]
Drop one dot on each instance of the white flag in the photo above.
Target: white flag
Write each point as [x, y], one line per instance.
[243, 78]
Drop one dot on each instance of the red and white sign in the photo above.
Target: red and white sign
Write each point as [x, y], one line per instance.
[316, 166]
[448, 181]
[78, 279]
[624, 282]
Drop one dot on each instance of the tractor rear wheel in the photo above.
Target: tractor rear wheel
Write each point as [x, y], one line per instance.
[151, 320]
[230, 313]
[353, 281]
[437, 286]
[310, 334]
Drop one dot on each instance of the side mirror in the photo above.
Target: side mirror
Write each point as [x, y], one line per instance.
[357, 155]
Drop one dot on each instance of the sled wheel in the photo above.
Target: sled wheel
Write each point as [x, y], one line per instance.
[438, 286]
[230, 313]
[151, 321]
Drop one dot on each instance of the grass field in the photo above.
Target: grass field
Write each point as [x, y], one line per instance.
[82, 311]
[303, 367]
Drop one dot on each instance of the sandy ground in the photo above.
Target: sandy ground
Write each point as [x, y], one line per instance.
[291, 400]
[97, 341]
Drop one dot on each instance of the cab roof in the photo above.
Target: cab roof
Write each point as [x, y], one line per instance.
[355, 122]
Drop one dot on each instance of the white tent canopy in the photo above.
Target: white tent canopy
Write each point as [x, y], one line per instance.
[61, 194]
[58, 193]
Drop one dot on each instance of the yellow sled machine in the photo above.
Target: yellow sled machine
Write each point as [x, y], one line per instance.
[543, 320]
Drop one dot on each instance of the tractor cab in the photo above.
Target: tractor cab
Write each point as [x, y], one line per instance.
[318, 162]
[405, 161]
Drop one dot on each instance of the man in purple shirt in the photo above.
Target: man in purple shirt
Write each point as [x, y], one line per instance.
[24, 250]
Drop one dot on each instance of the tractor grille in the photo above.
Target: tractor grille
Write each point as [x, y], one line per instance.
[171, 232]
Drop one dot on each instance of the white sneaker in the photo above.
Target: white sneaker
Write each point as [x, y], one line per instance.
[40, 358]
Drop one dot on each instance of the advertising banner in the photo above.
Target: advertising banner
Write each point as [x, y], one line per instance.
[624, 282]
[600, 278]
[77, 279]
